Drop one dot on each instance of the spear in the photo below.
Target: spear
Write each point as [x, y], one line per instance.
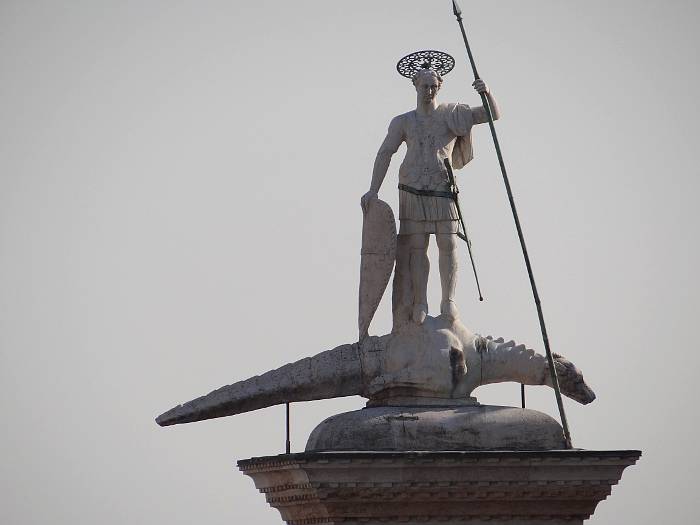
[555, 381]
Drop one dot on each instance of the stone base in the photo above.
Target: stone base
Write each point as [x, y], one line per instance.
[453, 488]
[406, 428]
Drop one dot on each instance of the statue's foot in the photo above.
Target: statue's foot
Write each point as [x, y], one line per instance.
[420, 312]
[448, 308]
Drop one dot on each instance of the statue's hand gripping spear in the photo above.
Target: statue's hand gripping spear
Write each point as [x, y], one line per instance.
[550, 360]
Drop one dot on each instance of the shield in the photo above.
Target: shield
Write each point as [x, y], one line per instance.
[377, 260]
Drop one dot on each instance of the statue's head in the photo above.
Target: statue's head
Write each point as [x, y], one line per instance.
[427, 83]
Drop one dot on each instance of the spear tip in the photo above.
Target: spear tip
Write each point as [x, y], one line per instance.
[455, 8]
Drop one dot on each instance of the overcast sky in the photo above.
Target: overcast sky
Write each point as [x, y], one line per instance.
[179, 210]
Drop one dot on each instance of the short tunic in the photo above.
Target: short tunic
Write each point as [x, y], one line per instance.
[446, 133]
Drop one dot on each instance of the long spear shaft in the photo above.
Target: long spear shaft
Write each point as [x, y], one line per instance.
[555, 381]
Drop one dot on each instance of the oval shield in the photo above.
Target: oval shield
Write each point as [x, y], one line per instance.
[377, 260]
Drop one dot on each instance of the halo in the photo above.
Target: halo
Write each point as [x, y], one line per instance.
[440, 62]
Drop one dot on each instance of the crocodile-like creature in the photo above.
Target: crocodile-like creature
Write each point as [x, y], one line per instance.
[438, 363]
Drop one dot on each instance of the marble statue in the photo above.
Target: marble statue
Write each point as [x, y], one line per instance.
[423, 449]
[426, 361]
[437, 363]
[432, 132]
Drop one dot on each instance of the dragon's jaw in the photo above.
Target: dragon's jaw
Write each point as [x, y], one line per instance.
[571, 381]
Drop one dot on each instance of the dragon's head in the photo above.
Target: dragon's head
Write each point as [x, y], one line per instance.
[571, 381]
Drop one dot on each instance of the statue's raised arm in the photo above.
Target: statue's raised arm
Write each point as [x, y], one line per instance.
[479, 113]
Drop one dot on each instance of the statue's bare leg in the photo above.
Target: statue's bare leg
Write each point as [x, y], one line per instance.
[419, 267]
[447, 246]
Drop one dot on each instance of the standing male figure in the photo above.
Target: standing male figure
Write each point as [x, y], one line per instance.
[432, 133]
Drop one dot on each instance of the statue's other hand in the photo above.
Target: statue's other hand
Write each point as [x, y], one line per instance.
[480, 86]
[366, 198]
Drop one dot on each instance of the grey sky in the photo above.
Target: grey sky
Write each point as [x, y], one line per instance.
[179, 209]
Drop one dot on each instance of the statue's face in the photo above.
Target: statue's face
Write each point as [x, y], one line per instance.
[427, 87]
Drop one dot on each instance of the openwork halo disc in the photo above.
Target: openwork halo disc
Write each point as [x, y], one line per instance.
[440, 62]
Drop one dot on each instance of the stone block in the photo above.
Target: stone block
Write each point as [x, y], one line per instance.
[454, 488]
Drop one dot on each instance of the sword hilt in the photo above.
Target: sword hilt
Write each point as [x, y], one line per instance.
[451, 176]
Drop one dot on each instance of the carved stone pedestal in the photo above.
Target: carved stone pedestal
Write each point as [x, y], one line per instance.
[450, 488]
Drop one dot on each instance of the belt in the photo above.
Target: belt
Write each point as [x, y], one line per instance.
[427, 193]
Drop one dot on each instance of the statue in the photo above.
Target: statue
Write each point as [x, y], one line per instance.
[354, 369]
[425, 361]
[423, 449]
[432, 132]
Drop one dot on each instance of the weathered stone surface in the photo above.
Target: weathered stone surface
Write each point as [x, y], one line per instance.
[432, 359]
[456, 488]
[334, 373]
[376, 262]
[439, 359]
[475, 427]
